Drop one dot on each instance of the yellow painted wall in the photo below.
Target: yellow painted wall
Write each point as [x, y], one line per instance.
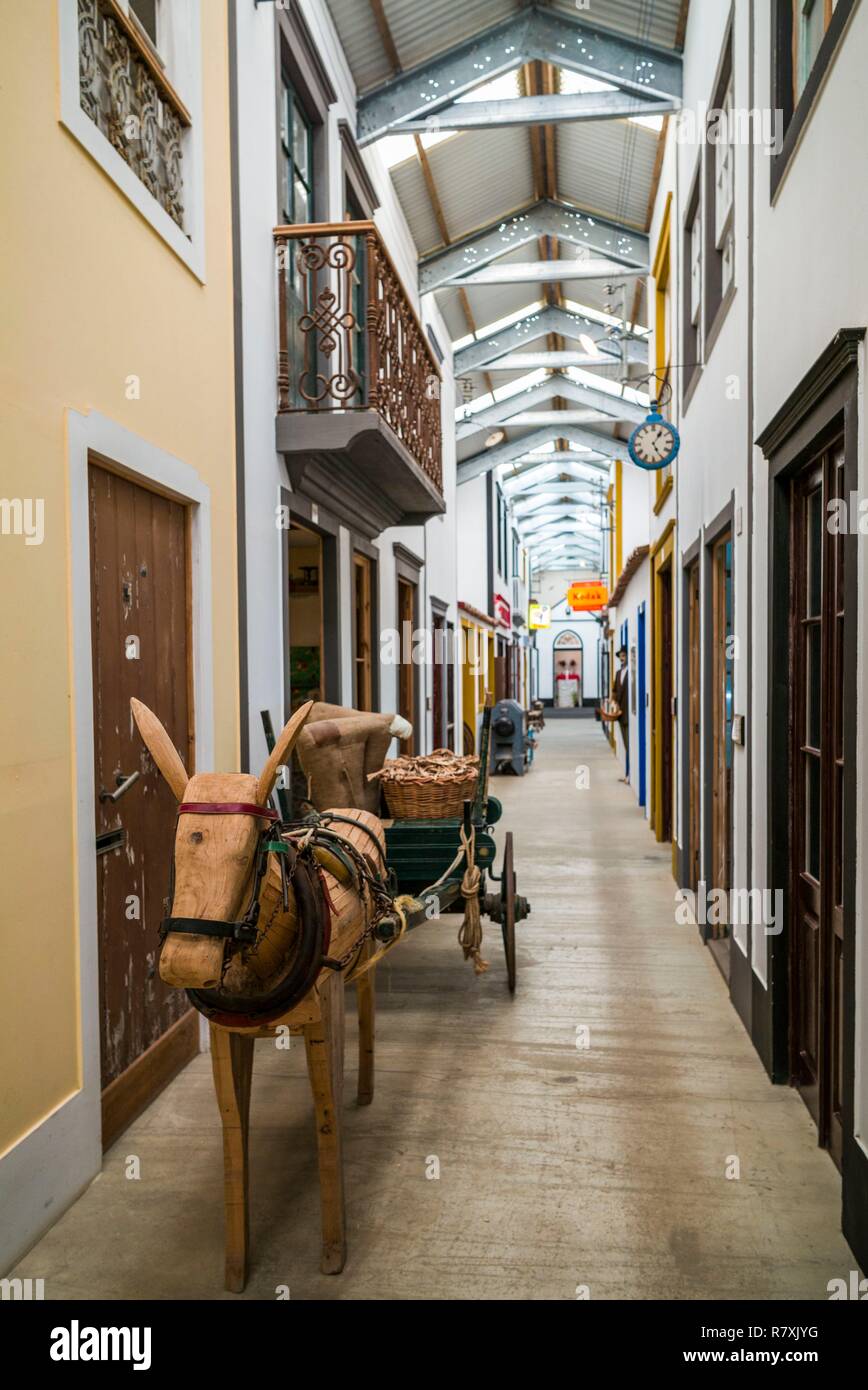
[91, 295]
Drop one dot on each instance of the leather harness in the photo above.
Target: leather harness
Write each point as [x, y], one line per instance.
[299, 868]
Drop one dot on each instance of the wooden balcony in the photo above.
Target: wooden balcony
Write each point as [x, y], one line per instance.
[358, 385]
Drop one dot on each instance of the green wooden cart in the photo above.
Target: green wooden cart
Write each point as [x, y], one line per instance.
[425, 859]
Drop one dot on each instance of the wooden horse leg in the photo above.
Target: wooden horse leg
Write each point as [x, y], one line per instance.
[324, 1044]
[232, 1062]
[366, 996]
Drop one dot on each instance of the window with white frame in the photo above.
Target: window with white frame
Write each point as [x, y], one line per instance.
[696, 269]
[719, 238]
[131, 77]
[146, 14]
[692, 297]
[723, 191]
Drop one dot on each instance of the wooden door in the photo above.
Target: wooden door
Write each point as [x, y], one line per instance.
[665, 703]
[693, 723]
[141, 647]
[307, 673]
[816, 831]
[501, 681]
[362, 634]
[449, 741]
[438, 685]
[721, 718]
[407, 668]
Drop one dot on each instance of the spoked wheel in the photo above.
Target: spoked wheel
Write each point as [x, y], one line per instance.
[507, 910]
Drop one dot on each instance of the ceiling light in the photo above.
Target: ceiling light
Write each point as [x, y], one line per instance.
[496, 437]
[589, 344]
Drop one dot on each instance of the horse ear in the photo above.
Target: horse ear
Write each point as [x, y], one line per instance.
[161, 748]
[281, 752]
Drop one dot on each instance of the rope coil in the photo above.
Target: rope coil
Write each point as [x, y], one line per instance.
[470, 931]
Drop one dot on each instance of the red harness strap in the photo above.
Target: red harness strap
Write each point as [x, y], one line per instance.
[226, 808]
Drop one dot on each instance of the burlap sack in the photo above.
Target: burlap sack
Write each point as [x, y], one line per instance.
[336, 756]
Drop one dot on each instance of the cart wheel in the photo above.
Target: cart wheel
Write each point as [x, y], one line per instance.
[507, 910]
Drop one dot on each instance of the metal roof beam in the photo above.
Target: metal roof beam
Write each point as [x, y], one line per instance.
[547, 272]
[580, 558]
[558, 489]
[597, 235]
[534, 530]
[483, 462]
[602, 403]
[564, 460]
[629, 64]
[559, 109]
[552, 361]
[573, 539]
[537, 324]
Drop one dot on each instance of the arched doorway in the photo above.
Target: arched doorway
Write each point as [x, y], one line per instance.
[568, 684]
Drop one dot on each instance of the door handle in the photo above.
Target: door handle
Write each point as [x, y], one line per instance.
[124, 784]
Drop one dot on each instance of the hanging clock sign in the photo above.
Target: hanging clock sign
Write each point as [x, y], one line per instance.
[655, 443]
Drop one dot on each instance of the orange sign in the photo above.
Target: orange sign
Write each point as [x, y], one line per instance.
[587, 596]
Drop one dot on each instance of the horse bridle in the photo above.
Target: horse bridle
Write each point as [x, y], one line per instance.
[298, 866]
[269, 842]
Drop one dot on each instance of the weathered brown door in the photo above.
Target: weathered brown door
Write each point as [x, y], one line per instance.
[139, 592]
[720, 714]
[816, 937]
[666, 685]
[407, 669]
[693, 723]
[362, 633]
[438, 692]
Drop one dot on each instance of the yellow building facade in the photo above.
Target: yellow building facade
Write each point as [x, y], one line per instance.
[118, 502]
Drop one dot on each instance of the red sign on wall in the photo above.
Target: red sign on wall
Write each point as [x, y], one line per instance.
[502, 611]
[587, 596]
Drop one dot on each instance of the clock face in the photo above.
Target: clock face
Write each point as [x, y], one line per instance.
[654, 443]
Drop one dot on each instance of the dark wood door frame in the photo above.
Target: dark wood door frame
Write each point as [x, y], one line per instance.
[691, 704]
[712, 534]
[316, 519]
[140, 562]
[823, 405]
[666, 732]
[441, 655]
[408, 568]
[818, 614]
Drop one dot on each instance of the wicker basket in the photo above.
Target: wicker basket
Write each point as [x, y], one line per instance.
[434, 787]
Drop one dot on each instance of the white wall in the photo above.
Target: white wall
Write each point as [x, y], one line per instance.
[472, 544]
[637, 592]
[713, 467]
[265, 470]
[584, 626]
[812, 280]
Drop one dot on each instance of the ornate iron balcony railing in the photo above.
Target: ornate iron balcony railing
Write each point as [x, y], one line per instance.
[351, 340]
[127, 95]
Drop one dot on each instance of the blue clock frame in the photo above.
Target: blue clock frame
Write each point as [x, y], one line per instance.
[655, 418]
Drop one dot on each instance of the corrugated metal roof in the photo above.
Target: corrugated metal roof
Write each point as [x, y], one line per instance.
[654, 21]
[412, 191]
[607, 167]
[361, 42]
[604, 167]
[480, 176]
[423, 28]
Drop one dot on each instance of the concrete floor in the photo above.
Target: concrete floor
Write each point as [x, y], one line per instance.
[559, 1167]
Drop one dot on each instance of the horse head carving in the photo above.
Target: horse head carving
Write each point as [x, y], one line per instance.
[251, 914]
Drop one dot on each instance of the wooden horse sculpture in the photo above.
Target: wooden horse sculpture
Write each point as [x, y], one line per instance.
[264, 925]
